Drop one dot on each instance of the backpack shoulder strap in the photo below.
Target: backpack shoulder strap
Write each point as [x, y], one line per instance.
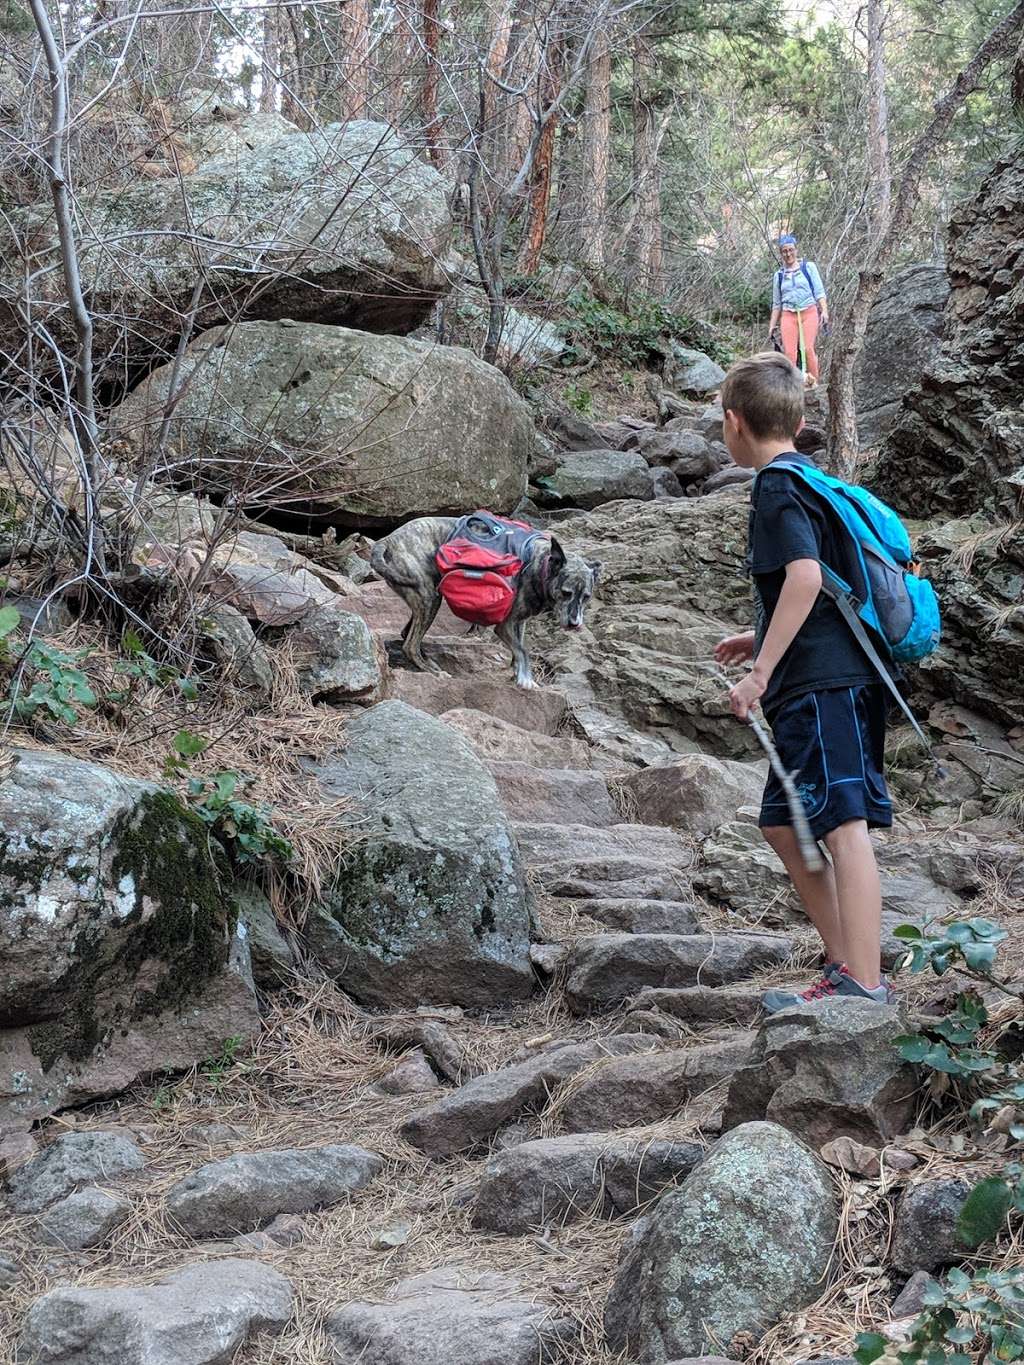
[807, 276]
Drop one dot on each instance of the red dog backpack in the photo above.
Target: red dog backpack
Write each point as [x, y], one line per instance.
[480, 564]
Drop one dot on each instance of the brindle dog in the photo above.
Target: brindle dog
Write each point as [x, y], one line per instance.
[554, 580]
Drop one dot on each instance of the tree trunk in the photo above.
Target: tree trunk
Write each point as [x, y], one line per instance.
[843, 445]
[540, 173]
[401, 63]
[271, 62]
[290, 48]
[879, 168]
[597, 127]
[431, 77]
[646, 171]
[355, 59]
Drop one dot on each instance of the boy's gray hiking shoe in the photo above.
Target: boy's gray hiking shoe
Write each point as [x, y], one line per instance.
[836, 984]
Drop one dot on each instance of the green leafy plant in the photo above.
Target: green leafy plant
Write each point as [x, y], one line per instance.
[632, 338]
[246, 827]
[950, 1048]
[184, 747]
[215, 1069]
[984, 1312]
[61, 689]
[580, 399]
[141, 667]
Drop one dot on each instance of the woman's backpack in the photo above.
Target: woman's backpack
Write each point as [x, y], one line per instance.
[806, 274]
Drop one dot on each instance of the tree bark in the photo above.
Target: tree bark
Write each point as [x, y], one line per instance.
[646, 171]
[83, 408]
[355, 61]
[879, 168]
[401, 63]
[843, 445]
[540, 174]
[597, 127]
[431, 77]
[270, 62]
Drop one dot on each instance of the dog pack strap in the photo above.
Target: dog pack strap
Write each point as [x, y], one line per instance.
[849, 615]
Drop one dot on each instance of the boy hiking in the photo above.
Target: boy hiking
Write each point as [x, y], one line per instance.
[819, 691]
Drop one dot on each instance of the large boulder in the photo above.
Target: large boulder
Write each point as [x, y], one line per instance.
[197, 1316]
[744, 1240]
[431, 902]
[361, 428]
[118, 934]
[904, 335]
[672, 585]
[826, 1071]
[340, 225]
[959, 442]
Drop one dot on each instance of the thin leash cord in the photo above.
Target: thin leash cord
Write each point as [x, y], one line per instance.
[806, 842]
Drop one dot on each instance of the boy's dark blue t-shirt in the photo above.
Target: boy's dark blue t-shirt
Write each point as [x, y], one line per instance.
[787, 522]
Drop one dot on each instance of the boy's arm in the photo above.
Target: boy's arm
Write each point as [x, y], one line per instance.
[799, 594]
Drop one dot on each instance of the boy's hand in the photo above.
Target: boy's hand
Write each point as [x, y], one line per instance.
[747, 693]
[735, 649]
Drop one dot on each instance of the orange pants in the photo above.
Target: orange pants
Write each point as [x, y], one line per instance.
[791, 337]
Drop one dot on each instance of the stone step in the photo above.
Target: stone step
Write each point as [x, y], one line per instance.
[622, 861]
[554, 794]
[501, 741]
[467, 1117]
[703, 1004]
[540, 708]
[605, 969]
[627, 1091]
[637, 915]
[553, 1181]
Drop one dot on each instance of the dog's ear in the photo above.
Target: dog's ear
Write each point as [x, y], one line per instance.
[556, 560]
[594, 565]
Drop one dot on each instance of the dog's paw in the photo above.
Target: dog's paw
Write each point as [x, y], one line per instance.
[527, 684]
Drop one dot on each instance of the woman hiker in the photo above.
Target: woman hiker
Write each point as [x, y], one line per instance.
[798, 301]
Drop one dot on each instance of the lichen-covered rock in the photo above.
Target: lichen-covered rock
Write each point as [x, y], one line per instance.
[904, 335]
[431, 903]
[249, 1188]
[745, 1239]
[363, 428]
[959, 442]
[828, 1070]
[273, 237]
[689, 371]
[117, 933]
[198, 1316]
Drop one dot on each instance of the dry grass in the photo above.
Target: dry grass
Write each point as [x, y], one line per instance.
[269, 737]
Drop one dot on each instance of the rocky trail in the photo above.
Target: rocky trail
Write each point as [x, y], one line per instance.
[461, 1184]
[480, 1075]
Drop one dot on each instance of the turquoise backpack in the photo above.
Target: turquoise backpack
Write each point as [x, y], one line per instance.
[899, 606]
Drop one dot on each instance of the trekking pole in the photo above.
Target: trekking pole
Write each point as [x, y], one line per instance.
[810, 853]
[809, 850]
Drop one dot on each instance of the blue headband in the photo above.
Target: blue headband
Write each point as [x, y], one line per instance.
[787, 240]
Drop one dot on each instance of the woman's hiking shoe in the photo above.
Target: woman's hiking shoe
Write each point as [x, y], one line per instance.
[836, 984]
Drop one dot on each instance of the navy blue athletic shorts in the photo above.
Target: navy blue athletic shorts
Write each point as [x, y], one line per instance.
[833, 743]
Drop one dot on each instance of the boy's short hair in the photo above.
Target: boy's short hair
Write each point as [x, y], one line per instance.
[767, 391]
